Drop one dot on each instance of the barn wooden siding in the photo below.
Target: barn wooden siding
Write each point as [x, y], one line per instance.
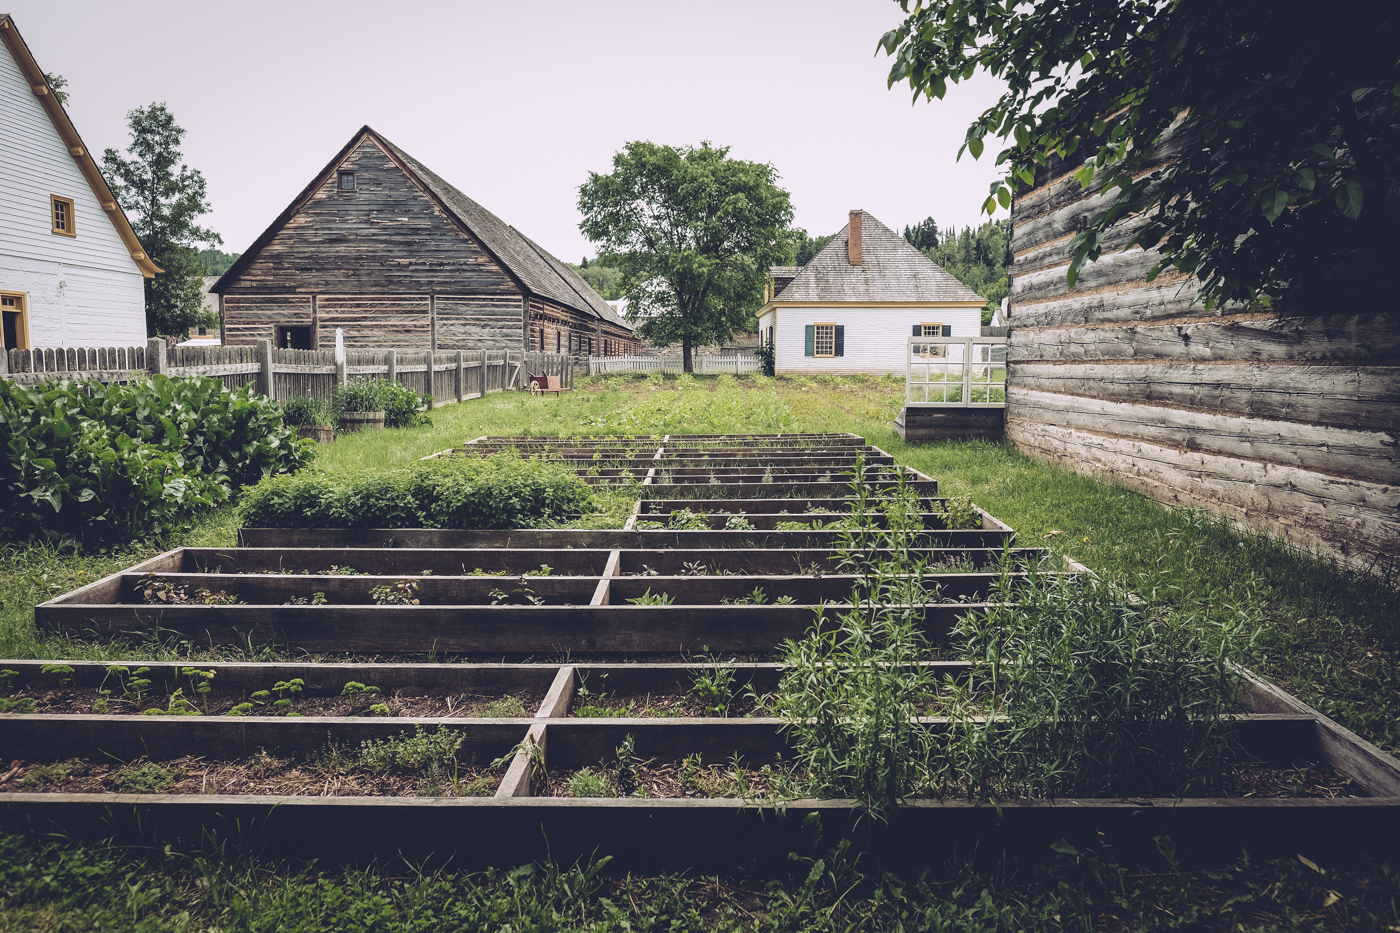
[1284, 423]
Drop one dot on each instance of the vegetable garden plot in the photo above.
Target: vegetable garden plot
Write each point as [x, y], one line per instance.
[737, 578]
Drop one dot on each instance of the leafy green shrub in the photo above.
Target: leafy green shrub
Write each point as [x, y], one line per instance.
[399, 403]
[1095, 694]
[500, 491]
[359, 395]
[307, 411]
[90, 463]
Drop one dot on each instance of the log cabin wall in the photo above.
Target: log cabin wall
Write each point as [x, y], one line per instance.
[1284, 423]
[557, 329]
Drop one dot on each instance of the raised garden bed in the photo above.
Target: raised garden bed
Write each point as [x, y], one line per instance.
[710, 577]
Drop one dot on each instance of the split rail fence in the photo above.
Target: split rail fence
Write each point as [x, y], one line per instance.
[734, 545]
[444, 376]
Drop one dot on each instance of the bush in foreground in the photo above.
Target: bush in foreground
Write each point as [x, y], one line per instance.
[500, 491]
[88, 463]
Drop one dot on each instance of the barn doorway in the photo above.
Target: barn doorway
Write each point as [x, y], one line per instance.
[294, 338]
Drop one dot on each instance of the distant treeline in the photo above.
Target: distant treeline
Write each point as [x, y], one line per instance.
[216, 261]
[977, 258]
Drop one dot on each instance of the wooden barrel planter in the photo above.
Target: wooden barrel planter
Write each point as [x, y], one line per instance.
[361, 420]
[321, 434]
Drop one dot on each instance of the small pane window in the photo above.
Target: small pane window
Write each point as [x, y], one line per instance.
[825, 337]
[347, 181]
[62, 216]
[932, 350]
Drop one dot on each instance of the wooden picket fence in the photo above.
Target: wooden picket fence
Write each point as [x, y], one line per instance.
[737, 365]
[444, 376]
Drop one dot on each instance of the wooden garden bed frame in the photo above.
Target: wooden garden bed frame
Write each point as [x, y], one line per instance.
[606, 567]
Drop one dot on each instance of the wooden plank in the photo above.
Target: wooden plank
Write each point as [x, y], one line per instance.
[1360, 398]
[623, 540]
[577, 561]
[1358, 339]
[488, 629]
[601, 594]
[1365, 455]
[1353, 521]
[1166, 297]
[238, 678]
[274, 589]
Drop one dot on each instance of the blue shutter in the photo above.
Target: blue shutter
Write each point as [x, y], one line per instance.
[918, 330]
[947, 330]
[840, 339]
[811, 345]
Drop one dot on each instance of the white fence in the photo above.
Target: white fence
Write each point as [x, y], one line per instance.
[738, 365]
[966, 372]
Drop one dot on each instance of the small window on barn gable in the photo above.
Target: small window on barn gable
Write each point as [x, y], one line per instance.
[347, 181]
[61, 216]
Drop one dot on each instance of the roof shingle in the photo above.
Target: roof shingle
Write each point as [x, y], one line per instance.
[891, 270]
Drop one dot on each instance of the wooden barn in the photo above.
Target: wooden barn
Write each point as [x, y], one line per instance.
[384, 249]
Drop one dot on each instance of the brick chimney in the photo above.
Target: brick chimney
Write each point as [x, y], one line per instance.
[853, 238]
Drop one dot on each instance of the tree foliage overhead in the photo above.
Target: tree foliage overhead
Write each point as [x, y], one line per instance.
[977, 258]
[164, 197]
[694, 233]
[1293, 122]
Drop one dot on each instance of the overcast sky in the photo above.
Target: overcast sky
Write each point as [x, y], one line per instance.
[516, 102]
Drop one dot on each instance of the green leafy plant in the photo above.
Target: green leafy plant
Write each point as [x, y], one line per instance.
[201, 683]
[959, 512]
[713, 684]
[738, 523]
[86, 464]
[519, 595]
[588, 783]
[398, 593]
[356, 396]
[61, 673]
[145, 778]
[307, 411]
[624, 767]
[1095, 692]
[648, 599]
[499, 491]
[506, 707]
[131, 683]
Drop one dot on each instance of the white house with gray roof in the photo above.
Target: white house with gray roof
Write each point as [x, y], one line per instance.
[853, 308]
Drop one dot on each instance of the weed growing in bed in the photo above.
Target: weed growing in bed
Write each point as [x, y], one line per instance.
[1095, 692]
[587, 783]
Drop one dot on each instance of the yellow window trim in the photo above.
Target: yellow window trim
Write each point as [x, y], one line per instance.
[821, 324]
[72, 227]
[22, 314]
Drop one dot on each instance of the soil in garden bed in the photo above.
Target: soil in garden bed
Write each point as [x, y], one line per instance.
[673, 779]
[457, 705]
[1300, 779]
[260, 774]
[660, 706]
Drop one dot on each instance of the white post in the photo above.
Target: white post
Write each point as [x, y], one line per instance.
[342, 374]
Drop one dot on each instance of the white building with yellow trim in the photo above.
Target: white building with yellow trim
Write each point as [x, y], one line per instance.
[71, 268]
[853, 308]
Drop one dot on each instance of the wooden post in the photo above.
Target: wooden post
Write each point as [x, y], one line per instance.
[4, 362]
[266, 385]
[430, 378]
[484, 381]
[393, 374]
[432, 325]
[155, 355]
[315, 325]
[461, 376]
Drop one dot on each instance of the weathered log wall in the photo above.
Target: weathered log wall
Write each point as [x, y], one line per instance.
[1287, 424]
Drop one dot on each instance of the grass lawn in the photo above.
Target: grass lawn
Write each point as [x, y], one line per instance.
[1326, 635]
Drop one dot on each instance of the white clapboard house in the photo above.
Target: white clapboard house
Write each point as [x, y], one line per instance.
[71, 268]
[853, 308]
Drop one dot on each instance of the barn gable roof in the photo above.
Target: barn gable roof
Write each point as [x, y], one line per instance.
[39, 82]
[525, 261]
[891, 270]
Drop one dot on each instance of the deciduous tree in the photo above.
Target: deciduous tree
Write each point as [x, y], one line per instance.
[164, 197]
[1287, 180]
[694, 233]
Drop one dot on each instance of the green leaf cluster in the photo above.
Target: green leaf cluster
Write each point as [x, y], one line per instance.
[92, 463]
[694, 233]
[399, 403]
[1257, 152]
[500, 491]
